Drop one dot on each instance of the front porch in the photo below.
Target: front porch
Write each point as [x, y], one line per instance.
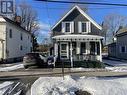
[78, 47]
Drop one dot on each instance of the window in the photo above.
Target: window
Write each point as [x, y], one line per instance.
[10, 33]
[21, 37]
[83, 47]
[123, 49]
[21, 48]
[92, 48]
[84, 27]
[67, 27]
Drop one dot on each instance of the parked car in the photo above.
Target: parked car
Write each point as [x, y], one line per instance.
[35, 60]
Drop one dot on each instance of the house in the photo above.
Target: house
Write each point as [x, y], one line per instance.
[76, 37]
[118, 49]
[15, 41]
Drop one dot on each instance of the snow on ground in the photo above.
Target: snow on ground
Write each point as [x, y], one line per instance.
[11, 68]
[117, 69]
[4, 87]
[115, 63]
[94, 85]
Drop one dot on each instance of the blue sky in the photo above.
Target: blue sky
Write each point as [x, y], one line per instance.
[50, 13]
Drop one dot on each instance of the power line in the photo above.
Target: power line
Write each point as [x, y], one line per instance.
[90, 3]
[93, 8]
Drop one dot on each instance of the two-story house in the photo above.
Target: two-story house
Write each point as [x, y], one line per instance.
[118, 49]
[77, 37]
[15, 41]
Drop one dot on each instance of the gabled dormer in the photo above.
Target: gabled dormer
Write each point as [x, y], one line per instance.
[76, 21]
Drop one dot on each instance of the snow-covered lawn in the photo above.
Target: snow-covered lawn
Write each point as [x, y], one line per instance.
[11, 68]
[94, 85]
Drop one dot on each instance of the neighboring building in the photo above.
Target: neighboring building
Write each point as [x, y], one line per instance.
[15, 41]
[118, 49]
[77, 37]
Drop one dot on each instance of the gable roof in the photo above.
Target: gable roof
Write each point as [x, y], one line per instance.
[5, 19]
[82, 12]
[122, 31]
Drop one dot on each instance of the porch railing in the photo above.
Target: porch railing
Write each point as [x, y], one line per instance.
[86, 57]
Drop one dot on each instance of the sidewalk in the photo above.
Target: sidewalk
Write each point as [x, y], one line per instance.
[115, 63]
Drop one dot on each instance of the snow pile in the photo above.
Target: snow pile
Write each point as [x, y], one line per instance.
[70, 84]
[4, 87]
[117, 69]
[11, 68]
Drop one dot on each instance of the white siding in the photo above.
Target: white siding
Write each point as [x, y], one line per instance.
[14, 43]
[3, 37]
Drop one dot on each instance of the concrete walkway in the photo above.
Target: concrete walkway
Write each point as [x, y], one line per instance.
[115, 63]
[58, 72]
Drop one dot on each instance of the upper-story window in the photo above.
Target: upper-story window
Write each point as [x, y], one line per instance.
[84, 27]
[122, 49]
[21, 36]
[67, 27]
[10, 33]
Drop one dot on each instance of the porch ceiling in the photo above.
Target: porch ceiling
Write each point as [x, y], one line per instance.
[77, 37]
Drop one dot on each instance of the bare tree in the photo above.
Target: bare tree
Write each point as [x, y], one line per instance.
[111, 24]
[29, 17]
[29, 20]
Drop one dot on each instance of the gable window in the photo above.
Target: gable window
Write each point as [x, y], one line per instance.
[67, 27]
[10, 33]
[123, 49]
[84, 27]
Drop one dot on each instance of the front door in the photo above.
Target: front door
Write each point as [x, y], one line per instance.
[64, 50]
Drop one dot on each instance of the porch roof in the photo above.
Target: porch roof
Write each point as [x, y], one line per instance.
[77, 37]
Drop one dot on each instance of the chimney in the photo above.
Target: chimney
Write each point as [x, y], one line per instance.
[18, 19]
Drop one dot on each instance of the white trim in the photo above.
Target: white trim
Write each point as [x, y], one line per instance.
[64, 27]
[87, 27]
[67, 50]
[83, 13]
[77, 37]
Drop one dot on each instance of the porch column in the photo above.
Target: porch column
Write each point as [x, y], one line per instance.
[95, 48]
[55, 52]
[87, 47]
[71, 49]
[100, 51]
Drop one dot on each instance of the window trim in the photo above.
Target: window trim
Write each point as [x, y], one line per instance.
[88, 26]
[71, 26]
[121, 49]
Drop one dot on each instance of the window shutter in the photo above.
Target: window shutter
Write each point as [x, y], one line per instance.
[79, 27]
[63, 27]
[72, 27]
[89, 27]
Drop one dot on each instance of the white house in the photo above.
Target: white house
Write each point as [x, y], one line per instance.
[15, 41]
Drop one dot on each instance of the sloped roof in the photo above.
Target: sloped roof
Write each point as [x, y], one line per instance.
[5, 19]
[122, 30]
[82, 12]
